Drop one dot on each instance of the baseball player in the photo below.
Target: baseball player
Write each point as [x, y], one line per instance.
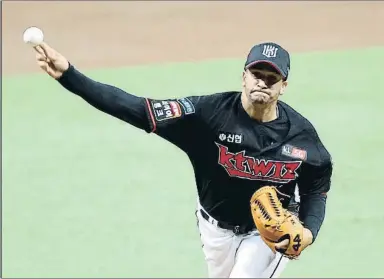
[246, 140]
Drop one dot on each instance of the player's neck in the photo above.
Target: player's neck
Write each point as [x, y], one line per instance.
[261, 113]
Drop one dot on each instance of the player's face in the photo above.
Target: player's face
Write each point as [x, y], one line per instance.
[262, 84]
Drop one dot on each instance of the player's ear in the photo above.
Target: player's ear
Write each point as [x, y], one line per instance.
[283, 87]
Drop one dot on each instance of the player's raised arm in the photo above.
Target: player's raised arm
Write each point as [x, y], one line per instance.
[172, 119]
[109, 99]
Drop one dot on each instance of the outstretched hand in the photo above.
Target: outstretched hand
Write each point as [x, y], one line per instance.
[51, 61]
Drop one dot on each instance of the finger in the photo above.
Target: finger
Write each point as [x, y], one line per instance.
[51, 72]
[39, 50]
[40, 57]
[43, 65]
[48, 51]
[285, 242]
[282, 245]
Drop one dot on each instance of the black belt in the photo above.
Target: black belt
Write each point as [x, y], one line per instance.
[243, 229]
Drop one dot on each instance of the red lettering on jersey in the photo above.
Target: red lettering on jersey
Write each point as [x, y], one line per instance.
[261, 167]
[279, 166]
[291, 168]
[225, 156]
[240, 161]
[241, 166]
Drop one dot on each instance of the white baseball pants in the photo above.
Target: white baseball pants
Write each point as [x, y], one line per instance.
[237, 256]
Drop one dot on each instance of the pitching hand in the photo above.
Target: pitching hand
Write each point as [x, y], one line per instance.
[51, 61]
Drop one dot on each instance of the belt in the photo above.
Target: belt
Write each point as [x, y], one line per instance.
[243, 229]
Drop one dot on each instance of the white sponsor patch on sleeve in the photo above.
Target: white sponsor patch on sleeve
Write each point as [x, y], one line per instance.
[164, 110]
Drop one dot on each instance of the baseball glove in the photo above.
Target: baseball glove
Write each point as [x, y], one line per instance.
[275, 223]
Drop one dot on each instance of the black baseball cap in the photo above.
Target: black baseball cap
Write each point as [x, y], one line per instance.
[272, 54]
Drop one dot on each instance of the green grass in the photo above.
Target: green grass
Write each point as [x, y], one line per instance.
[86, 195]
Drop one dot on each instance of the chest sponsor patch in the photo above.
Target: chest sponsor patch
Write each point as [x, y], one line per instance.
[241, 166]
[294, 152]
[188, 106]
[164, 110]
[230, 137]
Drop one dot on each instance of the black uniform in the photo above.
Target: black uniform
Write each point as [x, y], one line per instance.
[232, 154]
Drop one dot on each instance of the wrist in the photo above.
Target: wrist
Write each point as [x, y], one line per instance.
[308, 236]
[66, 72]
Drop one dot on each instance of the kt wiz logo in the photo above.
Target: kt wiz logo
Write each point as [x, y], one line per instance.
[241, 166]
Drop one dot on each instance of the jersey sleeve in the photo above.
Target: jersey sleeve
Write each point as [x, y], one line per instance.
[181, 120]
[109, 99]
[315, 179]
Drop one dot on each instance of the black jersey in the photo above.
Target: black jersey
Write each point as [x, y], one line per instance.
[232, 154]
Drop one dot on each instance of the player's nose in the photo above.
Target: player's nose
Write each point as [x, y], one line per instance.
[261, 84]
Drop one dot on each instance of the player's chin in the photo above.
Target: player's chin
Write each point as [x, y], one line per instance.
[259, 98]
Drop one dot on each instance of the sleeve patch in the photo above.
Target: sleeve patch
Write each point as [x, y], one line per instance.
[187, 104]
[165, 110]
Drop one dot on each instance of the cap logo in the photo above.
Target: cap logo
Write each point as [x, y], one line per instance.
[270, 51]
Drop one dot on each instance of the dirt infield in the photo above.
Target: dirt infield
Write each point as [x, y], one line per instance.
[104, 34]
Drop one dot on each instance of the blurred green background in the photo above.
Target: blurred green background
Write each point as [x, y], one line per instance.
[87, 195]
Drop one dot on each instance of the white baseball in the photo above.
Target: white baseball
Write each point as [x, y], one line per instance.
[33, 36]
